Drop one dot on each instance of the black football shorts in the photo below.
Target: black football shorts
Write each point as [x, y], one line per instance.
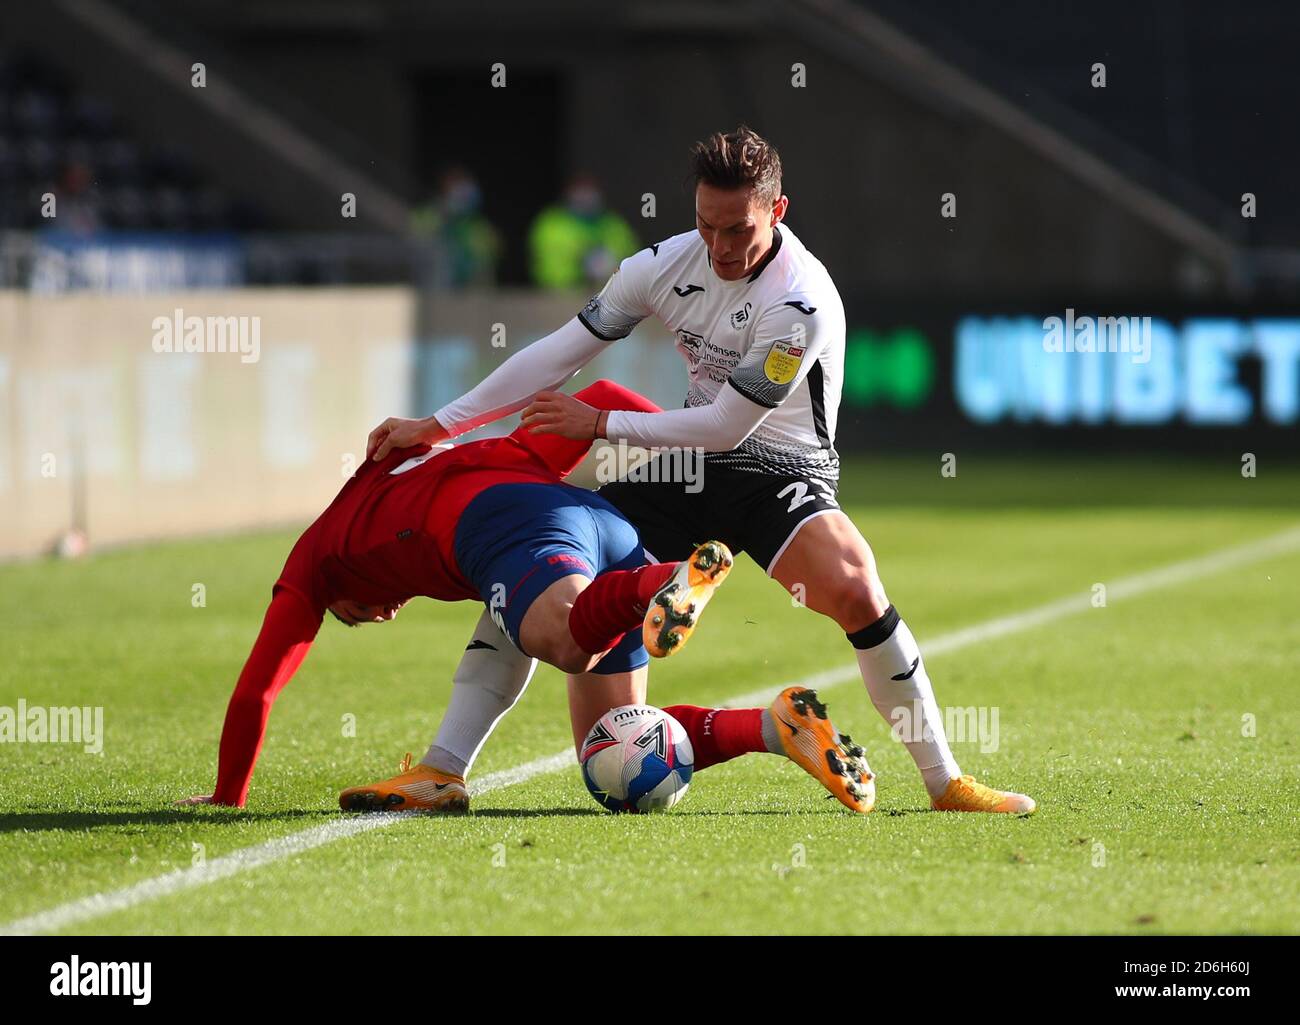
[756, 513]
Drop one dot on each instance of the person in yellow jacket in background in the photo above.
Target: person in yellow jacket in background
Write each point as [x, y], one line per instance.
[578, 241]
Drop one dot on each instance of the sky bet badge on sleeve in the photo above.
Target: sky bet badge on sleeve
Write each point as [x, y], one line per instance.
[783, 361]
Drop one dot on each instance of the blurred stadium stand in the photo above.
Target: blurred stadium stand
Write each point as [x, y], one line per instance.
[1117, 202]
[1199, 97]
[306, 101]
[58, 139]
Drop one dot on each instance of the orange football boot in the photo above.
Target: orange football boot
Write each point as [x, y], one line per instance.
[418, 788]
[675, 609]
[828, 756]
[965, 794]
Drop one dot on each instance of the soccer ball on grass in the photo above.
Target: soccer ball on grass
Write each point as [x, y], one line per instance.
[637, 758]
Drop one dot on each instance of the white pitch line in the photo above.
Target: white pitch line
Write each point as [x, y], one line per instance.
[1016, 622]
[78, 911]
[523, 773]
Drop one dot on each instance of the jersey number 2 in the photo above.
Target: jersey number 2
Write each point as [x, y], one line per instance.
[801, 496]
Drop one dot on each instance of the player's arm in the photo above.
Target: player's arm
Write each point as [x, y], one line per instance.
[717, 427]
[287, 633]
[548, 363]
[562, 454]
[543, 366]
[787, 342]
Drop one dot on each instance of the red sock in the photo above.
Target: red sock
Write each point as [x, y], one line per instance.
[613, 603]
[720, 734]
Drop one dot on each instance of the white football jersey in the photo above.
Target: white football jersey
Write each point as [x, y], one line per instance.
[776, 336]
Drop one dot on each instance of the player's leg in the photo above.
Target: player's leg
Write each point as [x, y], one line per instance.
[829, 564]
[669, 515]
[718, 735]
[490, 678]
[582, 583]
[489, 681]
[619, 677]
[672, 516]
[576, 620]
[544, 630]
[591, 695]
[665, 599]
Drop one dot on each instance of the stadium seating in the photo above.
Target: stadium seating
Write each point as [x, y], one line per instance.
[56, 138]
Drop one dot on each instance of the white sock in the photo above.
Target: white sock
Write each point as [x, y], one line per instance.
[490, 678]
[887, 651]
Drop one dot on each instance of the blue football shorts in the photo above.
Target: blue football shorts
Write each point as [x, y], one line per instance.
[514, 540]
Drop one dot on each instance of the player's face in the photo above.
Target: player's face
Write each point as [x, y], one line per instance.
[353, 613]
[737, 227]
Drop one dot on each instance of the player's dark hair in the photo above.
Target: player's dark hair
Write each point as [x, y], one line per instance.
[738, 160]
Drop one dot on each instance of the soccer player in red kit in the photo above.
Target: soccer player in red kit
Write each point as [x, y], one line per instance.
[562, 572]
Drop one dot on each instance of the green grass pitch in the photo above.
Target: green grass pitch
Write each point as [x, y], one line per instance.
[1130, 724]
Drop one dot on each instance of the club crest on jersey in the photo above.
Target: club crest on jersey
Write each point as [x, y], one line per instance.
[783, 361]
[740, 316]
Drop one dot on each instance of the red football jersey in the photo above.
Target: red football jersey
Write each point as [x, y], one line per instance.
[388, 536]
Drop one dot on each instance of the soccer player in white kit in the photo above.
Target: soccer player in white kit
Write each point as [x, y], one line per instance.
[760, 326]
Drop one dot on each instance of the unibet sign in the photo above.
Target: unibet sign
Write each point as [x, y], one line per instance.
[1189, 373]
